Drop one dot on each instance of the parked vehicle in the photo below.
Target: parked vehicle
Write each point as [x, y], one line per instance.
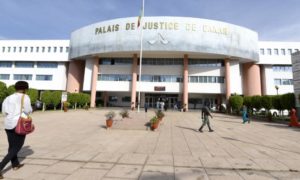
[274, 112]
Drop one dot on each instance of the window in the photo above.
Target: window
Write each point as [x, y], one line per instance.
[262, 51]
[20, 49]
[206, 79]
[126, 99]
[22, 77]
[61, 49]
[4, 76]
[26, 48]
[5, 64]
[67, 49]
[43, 77]
[8, 50]
[269, 51]
[276, 52]
[15, 49]
[296, 50]
[47, 64]
[113, 98]
[206, 62]
[31, 49]
[162, 61]
[283, 68]
[43, 49]
[54, 49]
[282, 51]
[114, 77]
[283, 81]
[37, 49]
[3, 49]
[24, 64]
[290, 51]
[49, 49]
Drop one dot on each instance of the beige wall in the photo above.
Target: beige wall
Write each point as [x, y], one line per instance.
[75, 76]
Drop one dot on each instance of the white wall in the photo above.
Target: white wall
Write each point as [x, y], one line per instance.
[270, 75]
[273, 58]
[235, 77]
[59, 78]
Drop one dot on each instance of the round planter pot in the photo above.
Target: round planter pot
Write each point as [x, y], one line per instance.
[109, 123]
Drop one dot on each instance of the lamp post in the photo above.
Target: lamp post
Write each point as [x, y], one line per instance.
[276, 87]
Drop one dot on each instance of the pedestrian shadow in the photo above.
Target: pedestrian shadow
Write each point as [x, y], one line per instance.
[240, 122]
[283, 126]
[192, 129]
[25, 151]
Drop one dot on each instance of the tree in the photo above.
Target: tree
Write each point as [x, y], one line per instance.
[56, 98]
[236, 102]
[46, 98]
[3, 91]
[33, 95]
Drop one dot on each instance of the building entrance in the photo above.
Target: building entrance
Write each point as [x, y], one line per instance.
[153, 100]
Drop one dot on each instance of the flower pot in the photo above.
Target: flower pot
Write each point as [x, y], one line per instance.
[65, 109]
[109, 123]
[154, 126]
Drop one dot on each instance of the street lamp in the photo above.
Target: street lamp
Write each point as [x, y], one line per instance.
[276, 87]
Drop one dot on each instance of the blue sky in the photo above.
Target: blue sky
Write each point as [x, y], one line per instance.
[274, 20]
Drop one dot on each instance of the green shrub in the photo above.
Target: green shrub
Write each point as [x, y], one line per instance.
[256, 102]
[3, 91]
[247, 102]
[276, 102]
[236, 102]
[266, 102]
[51, 97]
[11, 89]
[33, 95]
[287, 101]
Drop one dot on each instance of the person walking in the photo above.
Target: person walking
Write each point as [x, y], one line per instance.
[146, 107]
[11, 108]
[205, 119]
[245, 115]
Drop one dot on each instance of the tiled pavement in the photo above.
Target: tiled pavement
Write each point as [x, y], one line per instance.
[75, 145]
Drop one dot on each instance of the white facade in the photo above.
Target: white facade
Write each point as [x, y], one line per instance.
[199, 38]
[35, 52]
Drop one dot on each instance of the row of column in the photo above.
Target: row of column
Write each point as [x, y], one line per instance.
[251, 79]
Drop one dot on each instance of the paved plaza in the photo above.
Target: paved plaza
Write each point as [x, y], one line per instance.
[76, 145]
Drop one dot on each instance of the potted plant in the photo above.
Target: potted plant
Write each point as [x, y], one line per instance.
[159, 115]
[109, 118]
[124, 113]
[154, 123]
[66, 105]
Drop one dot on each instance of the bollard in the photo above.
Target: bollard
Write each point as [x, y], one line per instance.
[294, 120]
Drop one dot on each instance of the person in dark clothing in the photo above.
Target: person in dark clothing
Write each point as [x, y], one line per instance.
[205, 120]
[12, 108]
[146, 107]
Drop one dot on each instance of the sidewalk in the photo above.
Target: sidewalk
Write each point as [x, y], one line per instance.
[75, 145]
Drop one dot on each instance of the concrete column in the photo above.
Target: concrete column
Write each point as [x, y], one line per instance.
[75, 76]
[105, 98]
[251, 79]
[133, 81]
[185, 82]
[227, 78]
[95, 72]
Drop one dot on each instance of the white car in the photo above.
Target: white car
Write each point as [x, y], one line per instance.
[274, 112]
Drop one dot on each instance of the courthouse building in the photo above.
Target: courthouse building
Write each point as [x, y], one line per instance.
[185, 60]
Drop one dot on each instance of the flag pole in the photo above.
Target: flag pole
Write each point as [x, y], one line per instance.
[141, 58]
